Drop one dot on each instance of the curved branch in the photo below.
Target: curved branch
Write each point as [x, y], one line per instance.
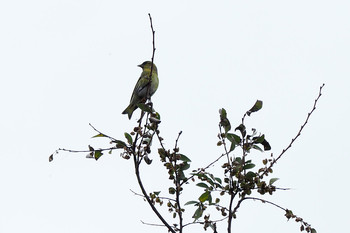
[137, 172]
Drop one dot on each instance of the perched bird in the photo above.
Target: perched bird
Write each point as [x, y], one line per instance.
[139, 95]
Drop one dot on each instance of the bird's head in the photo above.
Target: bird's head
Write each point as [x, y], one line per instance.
[147, 66]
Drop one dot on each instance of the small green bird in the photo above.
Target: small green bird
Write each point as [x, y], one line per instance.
[139, 94]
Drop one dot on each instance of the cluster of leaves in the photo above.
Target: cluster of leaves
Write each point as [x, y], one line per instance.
[240, 178]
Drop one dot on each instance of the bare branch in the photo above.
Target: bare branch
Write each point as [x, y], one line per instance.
[298, 134]
[105, 135]
[199, 222]
[164, 198]
[264, 201]
[153, 41]
[152, 224]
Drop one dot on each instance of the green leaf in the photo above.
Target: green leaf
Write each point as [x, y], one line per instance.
[144, 107]
[250, 175]
[185, 166]
[273, 180]
[204, 196]
[184, 158]
[241, 128]
[218, 180]
[202, 185]
[233, 146]
[98, 154]
[99, 135]
[257, 106]
[266, 145]
[198, 213]
[224, 122]
[119, 144]
[191, 202]
[257, 148]
[263, 142]
[248, 166]
[128, 137]
[259, 139]
[233, 138]
[181, 175]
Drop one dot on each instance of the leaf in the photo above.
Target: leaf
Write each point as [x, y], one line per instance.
[224, 122]
[99, 135]
[147, 160]
[218, 180]
[128, 137]
[241, 128]
[273, 180]
[263, 142]
[181, 175]
[144, 107]
[259, 139]
[266, 145]
[51, 158]
[313, 230]
[191, 202]
[202, 185]
[98, 154]
[257, 106]
[119, 144]
[234, 139]
[248, 166]
[184, 158]
[204, 196]
[185, 166]
[257, 148]
[250, 175]
[198, 213]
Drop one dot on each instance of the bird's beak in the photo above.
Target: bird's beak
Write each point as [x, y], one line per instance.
[140, 65]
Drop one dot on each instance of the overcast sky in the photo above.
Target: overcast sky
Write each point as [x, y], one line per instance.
[65, 64]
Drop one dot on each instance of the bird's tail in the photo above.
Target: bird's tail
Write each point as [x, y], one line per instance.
[129, 110]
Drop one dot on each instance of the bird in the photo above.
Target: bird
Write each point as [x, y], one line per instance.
[144, 88]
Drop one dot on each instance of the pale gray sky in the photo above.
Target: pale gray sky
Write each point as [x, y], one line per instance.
[65, 64]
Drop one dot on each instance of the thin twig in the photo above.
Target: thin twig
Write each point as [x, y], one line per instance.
[164, 198]
[153, 41]
[87, 151]
[105, 135]
[198, 222]
[265, 201]
[152, 224]
[178, 186]
[298, 134]
[203, 169]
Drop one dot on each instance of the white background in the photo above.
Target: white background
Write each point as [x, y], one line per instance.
[64, 64]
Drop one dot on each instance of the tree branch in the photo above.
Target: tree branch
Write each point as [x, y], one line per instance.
[298, 134]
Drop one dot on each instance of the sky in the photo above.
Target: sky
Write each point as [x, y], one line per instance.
[65, 64]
